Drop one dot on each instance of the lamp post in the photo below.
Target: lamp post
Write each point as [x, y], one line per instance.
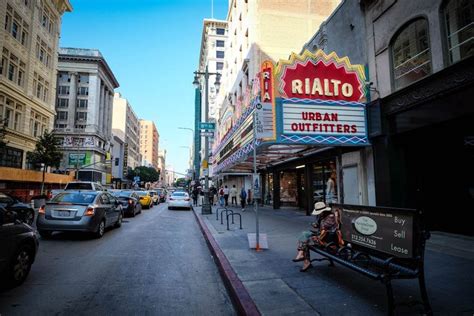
[206, 206]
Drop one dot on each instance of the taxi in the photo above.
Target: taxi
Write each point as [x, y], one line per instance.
[145, 199]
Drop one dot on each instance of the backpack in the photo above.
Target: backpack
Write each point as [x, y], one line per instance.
[221, 192]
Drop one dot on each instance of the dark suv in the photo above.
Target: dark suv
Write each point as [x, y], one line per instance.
[19, 245]
[24, 211]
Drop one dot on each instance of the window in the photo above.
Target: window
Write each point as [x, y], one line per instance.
[82, 104]
[60, 126]
[44, 53]
[83, 91]
[220, 43]
[64, 77]
[11, 111]
[41, 87]
[12, 67]
[11, 157]
[38, 124]
[63, 90]
[15, 25]
[219, 54]
[83, 78]
[459, 23]
[220, 31]
[81, 116]
[62, 115]
[62, 103]
[47, 20]
[411, 58]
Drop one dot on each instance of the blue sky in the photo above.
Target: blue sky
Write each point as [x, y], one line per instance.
[152, 46]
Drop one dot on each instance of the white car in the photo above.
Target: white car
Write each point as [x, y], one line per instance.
[179, 200]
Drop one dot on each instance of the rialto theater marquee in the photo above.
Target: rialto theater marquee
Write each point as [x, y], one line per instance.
[313, 99]
[321, 100]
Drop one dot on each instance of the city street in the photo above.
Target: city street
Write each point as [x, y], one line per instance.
[157, 263]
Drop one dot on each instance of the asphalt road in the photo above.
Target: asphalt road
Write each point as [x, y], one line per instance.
[155, 264]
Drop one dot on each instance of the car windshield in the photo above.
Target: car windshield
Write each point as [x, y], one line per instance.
[142, 193]
[158, 191]
[124, 194]
[179, 194]
[152, 193]
[79, 197]
[79, 186]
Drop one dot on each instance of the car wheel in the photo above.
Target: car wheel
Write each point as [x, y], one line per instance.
[21, 265]
[100, 229]
[45, 233]
[119, 221]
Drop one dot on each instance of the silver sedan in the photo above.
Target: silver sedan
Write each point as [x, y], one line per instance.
[84, 211]
[179, 200]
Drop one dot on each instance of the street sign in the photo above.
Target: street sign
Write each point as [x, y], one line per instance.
[207, 134]
[207, 126]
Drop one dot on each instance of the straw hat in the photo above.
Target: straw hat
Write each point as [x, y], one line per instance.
[320, 207]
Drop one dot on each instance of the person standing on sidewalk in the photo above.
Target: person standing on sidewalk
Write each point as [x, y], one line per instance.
[226, 195]
[221, 197]
[233, 195]
[243, 198]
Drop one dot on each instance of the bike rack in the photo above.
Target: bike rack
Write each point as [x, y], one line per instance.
[217, 212]
[226, 213]
[232, 214]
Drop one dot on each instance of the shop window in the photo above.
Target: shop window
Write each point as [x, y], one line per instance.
[322, 185]
[11, 157]
[459, 23]
[411, 57]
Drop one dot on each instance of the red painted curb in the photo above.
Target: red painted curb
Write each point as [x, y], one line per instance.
[241, 299]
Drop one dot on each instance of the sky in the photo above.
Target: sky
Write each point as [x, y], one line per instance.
[152, 47]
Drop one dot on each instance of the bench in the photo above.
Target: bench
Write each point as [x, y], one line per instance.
[381, 243]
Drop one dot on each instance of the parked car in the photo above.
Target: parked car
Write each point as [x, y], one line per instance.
[84, 211]
[55, 192]
[161, 194]
[19, 246]
[145, 199]
[24, 211]
[154, 196]
[179, 200]
[84, 185]
[130, 202]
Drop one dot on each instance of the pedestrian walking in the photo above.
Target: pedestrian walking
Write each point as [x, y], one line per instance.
[226, 195]
[195, 196]
[243, 198]
[221, 197]
[233, 195]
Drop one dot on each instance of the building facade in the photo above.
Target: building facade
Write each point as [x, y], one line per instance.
[162, 167]
[29, 47]
[258, 31]
[211, 58]
[149, 144]
[421, 66]
[126, 122]
[85, 90]
[118, 154]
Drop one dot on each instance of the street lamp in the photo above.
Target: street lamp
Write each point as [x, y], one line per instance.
[206, 206]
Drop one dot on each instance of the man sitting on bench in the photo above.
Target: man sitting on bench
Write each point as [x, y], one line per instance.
[325, 230]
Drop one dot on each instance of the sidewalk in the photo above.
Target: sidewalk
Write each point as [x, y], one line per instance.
[277, 287]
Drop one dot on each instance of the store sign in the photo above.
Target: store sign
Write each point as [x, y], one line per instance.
[267, 94]
[321, 77]
[79, 159]
[387, 230]
[322, 100]
[323, 119]
[264, 121]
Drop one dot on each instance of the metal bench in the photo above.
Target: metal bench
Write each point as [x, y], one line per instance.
[383, 244]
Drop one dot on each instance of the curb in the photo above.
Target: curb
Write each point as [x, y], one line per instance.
[241, 299]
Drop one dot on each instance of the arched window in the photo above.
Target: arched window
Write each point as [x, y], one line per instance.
[459, 23]
[411, 58]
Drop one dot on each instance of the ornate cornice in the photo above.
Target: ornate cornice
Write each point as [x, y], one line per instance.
[450, 79]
